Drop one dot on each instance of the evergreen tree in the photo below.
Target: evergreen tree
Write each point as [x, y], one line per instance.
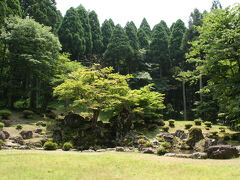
[83, 16]
[131, 32]
[71, 35]
[145, 26]
[119, 50]
[107, 30]
[96, 33]
[159, 49]
[143, 39]
[43, 11]
[216, 5]
[175, 51]
[13, 8]
[164, 24]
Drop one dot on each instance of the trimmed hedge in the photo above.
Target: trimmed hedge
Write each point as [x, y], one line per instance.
[67, 146]
[5, 113]
[161, 151]
[49, 145]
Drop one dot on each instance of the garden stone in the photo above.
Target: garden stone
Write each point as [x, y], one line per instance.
[170, 155]
[195, 135]
[168, 137]
[111, 149]
[120, 149]
[209, 142]
[180, 134]
[38, 131]
[18, 140]
[101, 150]
[10, 144]
[148, 150]
[41, 123]
[222, 152]
[26, 134]
[90, 150]
[199, 155]
[178, 155]
[155, 142]
[238, 148]
[57, 135]
[2, 135]
[7, 123]
[7, 135]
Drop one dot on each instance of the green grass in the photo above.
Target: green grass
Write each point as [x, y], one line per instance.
[21, 165]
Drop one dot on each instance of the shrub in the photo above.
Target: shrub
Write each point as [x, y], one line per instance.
[214, 133]
[19, 127]
[207, 128]
[171, 122]
[161, 151]
[1, 143]
[222, 129]
[142, 141]
[5, 113]
[165, 128]
[49, 145]
[27, 113]
[161, 139]
[188, 126]
[166, 145]
[67, 146]
[198, 122]
[208, 124]
[1, 126]
[21, 104]
[161, 123]
[148, 144]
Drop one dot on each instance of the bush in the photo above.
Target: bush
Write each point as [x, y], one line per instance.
[161, 151]
[171, 122]
[1, 126]
[21, 104]
[27, 113]
[49, 145]
[208, 124]
[188, 126]
[142, 141]
[5, 113]
[165, 128]
[161, 123]
[207, 128]
[67, 146]
[198, 122]
[166, 145]
[161, 139]
[148, 144]
[222, 129]
[19, 127]
[214, 133]
[1, 143]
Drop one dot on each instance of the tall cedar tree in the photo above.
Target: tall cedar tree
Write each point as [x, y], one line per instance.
[216, 5]
[43, 11]
[131, 32]
[145, 26]
[107, 30]
[143, 39]
[119, 50]
[159, 49]
[71, 35]
[96, 34]
[175, 51]
[164, 24]
[83, 15]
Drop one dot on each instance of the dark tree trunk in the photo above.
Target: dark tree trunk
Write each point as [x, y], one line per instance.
[95, 118]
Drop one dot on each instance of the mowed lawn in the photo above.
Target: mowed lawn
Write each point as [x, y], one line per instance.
[44, 165]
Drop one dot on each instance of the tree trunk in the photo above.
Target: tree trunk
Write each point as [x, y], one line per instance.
[184, 101]
[95, 118]
[66, 104]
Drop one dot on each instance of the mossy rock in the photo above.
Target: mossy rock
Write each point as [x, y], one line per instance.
[195, 135]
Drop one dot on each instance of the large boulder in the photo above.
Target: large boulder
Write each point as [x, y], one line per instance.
[26, 134]
[7, 135]
[199, 155]
[195, 135]
[41, 123]
[222, 152]
[180, 134]
[168, 137]
[2, 136]
[148, 151]
[18, 140]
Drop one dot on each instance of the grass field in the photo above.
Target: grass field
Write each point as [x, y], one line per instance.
[44, 165]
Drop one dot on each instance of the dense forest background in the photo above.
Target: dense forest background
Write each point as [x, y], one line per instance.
[35, 58]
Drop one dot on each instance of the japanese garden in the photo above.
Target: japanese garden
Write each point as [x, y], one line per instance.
[80, 99]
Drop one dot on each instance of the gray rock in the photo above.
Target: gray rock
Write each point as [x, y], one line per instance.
[111, 149]
[178, 155]
[101, 150]
[170, 155]
[180, 134]
[209, 142]
[222, 152]
[168, 137]
[88, 150]
[238, 148]
[199, 155]
[18, 140]
[149, 151]
[120, 149]
[38, 131]
[2, 135]
[26, 134]
[155, 142]
[41, 123]
[195, 135]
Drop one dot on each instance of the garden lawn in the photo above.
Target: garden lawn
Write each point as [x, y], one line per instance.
[56, 165]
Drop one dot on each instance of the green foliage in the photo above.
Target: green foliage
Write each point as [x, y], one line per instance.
[5, 113]
[1, 126]
[107, 30]
[148, 144]
[165, 128]
[27, 113]
[161, 139]
[161, 151]
[1, 143]
[49, 145]
[143, 39]
[222, 129]
[142, 141]
[166, 145]
[19, 127]
[188, 126]
[131, 32]
[208, 124]
[161, 123]
[67, 146]
[145, 26]
[21, 104]
[13, 8]
[171, 122]
[198, 122]
[207, 128]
